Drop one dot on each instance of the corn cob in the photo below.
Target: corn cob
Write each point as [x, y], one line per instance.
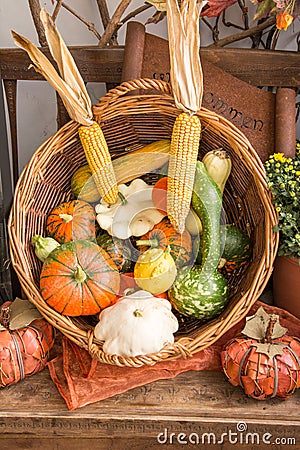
[99, 161]
[183, 157]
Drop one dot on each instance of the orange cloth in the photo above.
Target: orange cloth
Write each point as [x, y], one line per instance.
[81, 380]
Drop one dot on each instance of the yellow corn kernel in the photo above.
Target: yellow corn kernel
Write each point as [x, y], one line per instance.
[182, 165]
[99, 161]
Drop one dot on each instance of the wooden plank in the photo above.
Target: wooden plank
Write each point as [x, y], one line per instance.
[123, 443]
[198, 404]
[95, 64]
[5, 205]
[257, 67]
[60, 443]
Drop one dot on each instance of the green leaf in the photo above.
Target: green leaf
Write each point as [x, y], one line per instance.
[22, 313]
[263, 9]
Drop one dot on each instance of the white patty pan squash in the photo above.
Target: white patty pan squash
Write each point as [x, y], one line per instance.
[138, 324]
[134, 213]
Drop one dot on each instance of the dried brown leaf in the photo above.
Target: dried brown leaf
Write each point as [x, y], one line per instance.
[156, 18]
[158, 4]
[22, 313]
[270, 350]
[257, 324]
[248, 384]
[214, 8]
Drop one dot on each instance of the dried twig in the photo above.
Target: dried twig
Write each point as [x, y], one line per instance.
[244, 34]
[90, 25]
[104, 14]
[35, 9]
[134, 13]
[213, 28]
[269, 37]
[230, 24]
[114, 23]
[56, 9]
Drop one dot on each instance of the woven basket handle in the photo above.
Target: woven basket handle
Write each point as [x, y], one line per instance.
[127, 87]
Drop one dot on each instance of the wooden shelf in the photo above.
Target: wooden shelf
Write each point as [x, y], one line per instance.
[194, 403]
[256, 67]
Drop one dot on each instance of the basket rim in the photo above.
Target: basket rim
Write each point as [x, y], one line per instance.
[213, 330]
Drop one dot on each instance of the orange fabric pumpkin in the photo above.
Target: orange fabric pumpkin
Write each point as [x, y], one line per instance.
[24, 351]
[71, 221]
[163, 235]
[265, 361]
[79, 278]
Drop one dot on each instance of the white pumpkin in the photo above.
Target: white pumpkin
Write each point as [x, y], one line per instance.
[138, 324]
[133, 215]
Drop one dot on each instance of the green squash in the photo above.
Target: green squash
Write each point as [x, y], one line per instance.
[235, 247]
[164, 235]
[118, 250]
[197, 294]
[201, 291]
[83, 185]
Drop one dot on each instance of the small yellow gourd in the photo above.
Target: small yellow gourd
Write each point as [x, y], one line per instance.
[155, 270]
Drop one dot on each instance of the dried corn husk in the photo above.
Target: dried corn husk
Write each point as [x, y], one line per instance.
[69, 85]
[187, 85]
[184, 44]
[71, 88]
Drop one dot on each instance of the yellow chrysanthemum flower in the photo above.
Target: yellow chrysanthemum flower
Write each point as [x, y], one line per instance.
[280, 158]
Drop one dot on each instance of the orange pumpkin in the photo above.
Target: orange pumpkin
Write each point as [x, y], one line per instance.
[164, 234]
[71, 221]
[23, 351]
[79, 278]
[264, 361]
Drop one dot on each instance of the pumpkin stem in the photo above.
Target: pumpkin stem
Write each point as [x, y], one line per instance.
[66, 217]
[5, 315]
[222, 154]
[79, 274]
[122, 198]
[151, 242]
[168, 250]
[270, 329]
[138, 313]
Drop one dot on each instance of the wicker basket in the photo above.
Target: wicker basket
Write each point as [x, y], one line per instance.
[128, 121]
